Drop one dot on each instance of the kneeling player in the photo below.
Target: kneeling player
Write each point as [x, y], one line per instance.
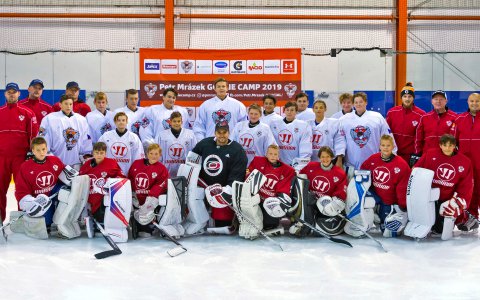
[328, 184]
[110, 196]
[390, 175]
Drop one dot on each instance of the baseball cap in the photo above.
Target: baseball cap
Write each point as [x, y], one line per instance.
[439, 92]
[222, 125]
[72, 84]
[36, 81]
[12, 86]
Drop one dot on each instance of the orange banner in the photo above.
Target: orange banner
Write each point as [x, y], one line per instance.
[251, 74]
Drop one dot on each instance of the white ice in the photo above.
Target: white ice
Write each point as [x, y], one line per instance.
[229, 267]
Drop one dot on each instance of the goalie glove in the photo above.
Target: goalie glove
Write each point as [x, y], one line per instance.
[218, 196]
[146, 213]
[67, 175]
[453, 207]
[413, 159]
[329, 206]
[277, 207]
[395, 222]
[39, 206]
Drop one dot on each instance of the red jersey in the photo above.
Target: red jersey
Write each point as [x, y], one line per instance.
[279, 179]
[452, 173]
[431, 127]
[467, 133]
[147, 179]
[389, 178]
[404, 122]
[108, 168]
[36, 178]
[39, 107]
[79, 107]
[18, 125]
[331, 182]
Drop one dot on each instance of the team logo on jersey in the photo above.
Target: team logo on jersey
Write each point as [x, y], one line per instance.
[414, 123]
[44, 113]
[21, 117]
[154, 175]
[290, 89]
[44, 179]
[296, 130]
[360, 135]
[335, 179]
[135, 128]
[55, 167]
[246, 140]
[213, 165]
[119, 149]
[271, 182]
[150, 89]
[321, 184]
[381, 174]
[316, 137]
[71, 137]
[41, 131]
[221, 116]
[449, 123]
[285, 137]
[141, 181]
[103, 174]
[446, 172]
[461, 169]
[176, 151]
[396, 170]
[166, 123]
[106, 127]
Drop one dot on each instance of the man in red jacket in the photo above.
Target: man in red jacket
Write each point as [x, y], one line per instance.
[34, 100]
[79, 106]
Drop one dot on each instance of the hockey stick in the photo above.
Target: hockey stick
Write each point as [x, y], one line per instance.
[180, 249]
[331, 238]
[115, 250]
[364, 232]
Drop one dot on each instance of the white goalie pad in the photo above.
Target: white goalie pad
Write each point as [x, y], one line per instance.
[70, 205]
[359, 206]
[247, 205]
[420, 203]
[256, 180]
[118, 206]
[197, 217]
[192, 159]
[33, 227]
[170, 214]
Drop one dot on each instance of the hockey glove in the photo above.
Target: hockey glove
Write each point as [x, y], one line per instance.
[395, 222]
[413, 159]
[330, 206]
[453, 207]
[39, 206]
[146, 213]
[277, 207]
[218, 196]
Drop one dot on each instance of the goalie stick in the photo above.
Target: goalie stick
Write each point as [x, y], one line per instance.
[180, 249]
[364, 232]
[115, 250]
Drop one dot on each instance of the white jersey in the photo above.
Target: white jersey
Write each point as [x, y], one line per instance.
[267, 119]
[305, 115]
[362, 135]
[67, 137]
[135, 118]
[214, 111]
[338, 114]
[174, 150]
[254, 141]
[99, 123]
[124, 149]
[294, 139]
[158, 119]
[327, 133]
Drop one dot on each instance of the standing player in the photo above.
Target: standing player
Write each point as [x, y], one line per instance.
[122, 145]
[325, 132]
[362, 130]
[100, 120]
[219, 109]
[254, 136]
[67, 134]
[79, 106]
[294, 137]
[403, 121]
[304, 113]
[467, 132]
[175, 142]
[346, 101]
[432, 125]
[34, 100]
[17, 128]
[133, 111]
[158, 117]
[453, 174]
[269, 114]
[390, 175]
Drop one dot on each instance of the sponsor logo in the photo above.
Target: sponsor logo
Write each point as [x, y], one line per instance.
[176, 151]
[445, 172]
[151, 66]
[290, 89]
[187, 67]
[119, 149]
[271, 66]
[220, 67]
[254, 66]
[142, 181]
[44, 179]
[203, 67]
[316, 138]
[238, 67]
[270, 184]
[285, 137]
[246, 140]
[150, 89]
[321, 184]
[169, 66]
[289, 66]
[381, 174]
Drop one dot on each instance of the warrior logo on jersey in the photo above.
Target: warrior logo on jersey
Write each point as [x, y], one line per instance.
[71, 137]
[321, 184]
[44, 179]
[166, 124]
[316, 137]
[446, 172]
[213, 165]
[381, 174]
[176, 151]
[221, 116]
[285, 137]
[106, 127]
[119, 149]
[150, 88]
[142, 181]
[360, 135]
[246, 140]
[270, 184]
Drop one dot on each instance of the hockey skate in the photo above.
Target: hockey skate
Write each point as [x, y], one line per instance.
[470, 226]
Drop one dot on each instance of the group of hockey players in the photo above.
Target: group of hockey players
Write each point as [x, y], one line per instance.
[250, 171]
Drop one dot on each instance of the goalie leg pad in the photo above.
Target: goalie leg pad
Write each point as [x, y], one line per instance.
[359, 204]
[330, 225]
[304, 207]
[70, 206]
[35, 227]
[17, 226]
[420, 203]
[256, 180]
[118, 206]
[170, 215]
[248, 206]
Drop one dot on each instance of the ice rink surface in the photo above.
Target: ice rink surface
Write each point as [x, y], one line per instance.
[228, 267]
